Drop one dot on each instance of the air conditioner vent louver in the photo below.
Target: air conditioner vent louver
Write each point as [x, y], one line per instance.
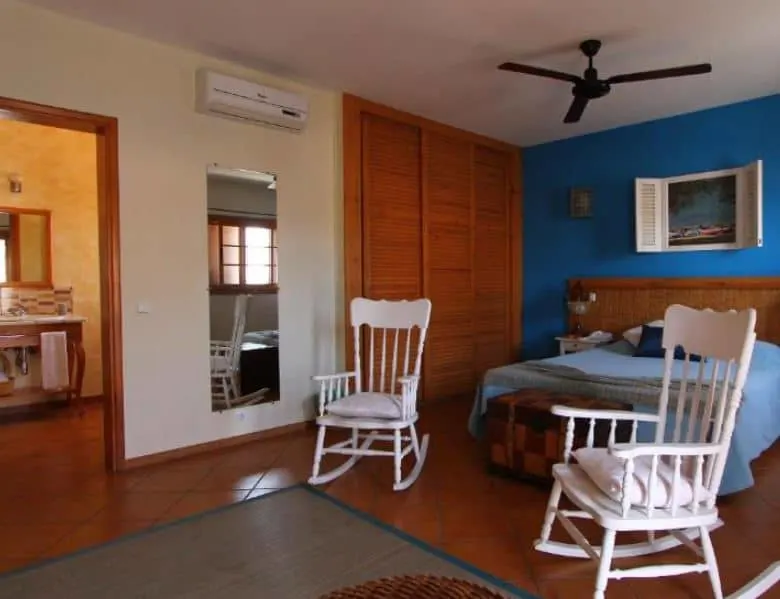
[242, 100]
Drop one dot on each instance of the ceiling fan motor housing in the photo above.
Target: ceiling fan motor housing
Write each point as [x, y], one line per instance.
[591, 89]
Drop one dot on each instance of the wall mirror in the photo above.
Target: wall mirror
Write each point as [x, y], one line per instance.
[243, 285]
[25, 247]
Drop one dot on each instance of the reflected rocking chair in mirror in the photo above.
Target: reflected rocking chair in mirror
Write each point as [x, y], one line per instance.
[670, 485]
[380, 394]
[225, 359]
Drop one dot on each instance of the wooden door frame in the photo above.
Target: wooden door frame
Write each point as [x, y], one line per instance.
[353, 109]
[106, 130]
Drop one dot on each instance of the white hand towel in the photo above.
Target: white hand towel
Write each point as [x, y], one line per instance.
[54, 361]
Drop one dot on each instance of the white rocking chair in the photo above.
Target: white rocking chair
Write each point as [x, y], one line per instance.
[662, 486]
[225, 358]
[389, 401]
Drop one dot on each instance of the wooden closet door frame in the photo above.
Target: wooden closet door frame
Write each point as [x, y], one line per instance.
[353, 109]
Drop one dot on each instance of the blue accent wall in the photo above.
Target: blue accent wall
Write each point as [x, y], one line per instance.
[558, 247]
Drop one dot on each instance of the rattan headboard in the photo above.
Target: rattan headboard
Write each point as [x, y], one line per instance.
[622, 303]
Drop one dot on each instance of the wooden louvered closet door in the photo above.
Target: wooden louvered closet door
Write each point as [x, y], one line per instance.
[492, 249]
[429, 213]
[448, 273]
[392, 228]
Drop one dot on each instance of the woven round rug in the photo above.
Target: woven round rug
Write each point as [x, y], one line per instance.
[420, 586]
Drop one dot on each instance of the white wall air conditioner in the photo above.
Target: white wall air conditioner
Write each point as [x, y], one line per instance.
[233, 98]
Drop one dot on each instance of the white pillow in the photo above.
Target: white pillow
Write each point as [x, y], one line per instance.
[607, 471]
[634, 335]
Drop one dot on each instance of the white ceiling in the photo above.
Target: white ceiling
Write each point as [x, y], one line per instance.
[438, 58]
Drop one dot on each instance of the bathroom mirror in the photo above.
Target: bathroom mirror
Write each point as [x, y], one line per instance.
[243, 285]
[25, 247]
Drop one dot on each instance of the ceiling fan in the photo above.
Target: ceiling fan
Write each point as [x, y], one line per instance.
[589, 86]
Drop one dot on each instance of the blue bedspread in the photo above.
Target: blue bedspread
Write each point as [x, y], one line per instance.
[758, 420]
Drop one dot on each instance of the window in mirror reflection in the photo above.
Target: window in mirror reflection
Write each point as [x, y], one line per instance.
[243, 285]
[242, 253]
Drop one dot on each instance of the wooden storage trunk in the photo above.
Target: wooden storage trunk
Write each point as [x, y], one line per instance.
[525, 439]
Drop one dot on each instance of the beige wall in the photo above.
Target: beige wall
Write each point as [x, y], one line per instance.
[58, 169]
[164, 148]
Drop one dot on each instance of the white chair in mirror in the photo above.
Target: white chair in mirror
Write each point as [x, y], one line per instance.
[225, 358]
[670, 485]
[378, 400]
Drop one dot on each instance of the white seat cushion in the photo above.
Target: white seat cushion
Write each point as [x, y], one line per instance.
[219, 364]
[607, 472]
[367, 405]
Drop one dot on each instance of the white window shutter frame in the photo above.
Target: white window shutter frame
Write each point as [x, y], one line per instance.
[649, 215]
[751, 201]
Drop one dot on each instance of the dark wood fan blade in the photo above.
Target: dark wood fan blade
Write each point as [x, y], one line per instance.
[576, 109]
[694, 69]
[539, 72]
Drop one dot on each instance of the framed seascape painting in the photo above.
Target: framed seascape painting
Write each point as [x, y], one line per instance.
[716, 210]
[703, 211]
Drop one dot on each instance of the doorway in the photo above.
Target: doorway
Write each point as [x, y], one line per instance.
[105, 130]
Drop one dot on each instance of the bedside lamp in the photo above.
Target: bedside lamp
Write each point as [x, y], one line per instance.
[578, 304]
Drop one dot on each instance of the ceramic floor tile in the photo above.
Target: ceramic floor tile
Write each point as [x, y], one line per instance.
[55, 498]
[31, 539]
[582, 588]
[229, 479]
[178, 478]
[499, 555]
[141, 506]
[94, 533]
[197, 501]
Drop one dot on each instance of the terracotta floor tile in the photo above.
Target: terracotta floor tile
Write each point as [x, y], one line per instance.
[228, 479]
[501, 556]
[9, 564]
[582, 588]
[141, 506]
[55, 498]
[284, 476]
[196, 502]
[176, 478]
[66, 508]
[416, 519]
[96, 532]
[255, 493]
[30, 539]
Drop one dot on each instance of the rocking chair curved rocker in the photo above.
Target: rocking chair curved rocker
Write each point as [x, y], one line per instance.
[672, 484]
[383, 395]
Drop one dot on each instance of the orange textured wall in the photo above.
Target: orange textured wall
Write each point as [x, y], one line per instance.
[59, 173]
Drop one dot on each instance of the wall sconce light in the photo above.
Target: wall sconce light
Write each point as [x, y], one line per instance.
[15, 183]
[580, 203]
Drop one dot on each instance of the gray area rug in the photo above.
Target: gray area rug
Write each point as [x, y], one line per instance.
[296, 543]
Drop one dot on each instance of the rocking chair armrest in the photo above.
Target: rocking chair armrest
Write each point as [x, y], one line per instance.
[409, 378]
[634, 450]
[220, 344]
[324, 378]
[569, 412]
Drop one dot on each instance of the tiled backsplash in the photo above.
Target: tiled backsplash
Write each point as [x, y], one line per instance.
[36, 301]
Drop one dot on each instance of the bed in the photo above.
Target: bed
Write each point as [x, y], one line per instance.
[268, 337]
[612, 371]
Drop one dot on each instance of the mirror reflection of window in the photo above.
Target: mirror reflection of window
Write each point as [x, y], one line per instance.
[243, 285]
[242, 252]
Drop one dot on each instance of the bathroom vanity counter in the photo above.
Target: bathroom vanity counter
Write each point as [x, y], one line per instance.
[25, 331]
